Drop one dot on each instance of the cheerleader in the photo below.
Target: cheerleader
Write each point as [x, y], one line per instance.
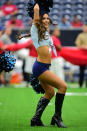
[48, 80]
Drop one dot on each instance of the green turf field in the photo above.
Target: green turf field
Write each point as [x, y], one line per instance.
[17, 106]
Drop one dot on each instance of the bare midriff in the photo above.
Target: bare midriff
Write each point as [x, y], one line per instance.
[43, 54]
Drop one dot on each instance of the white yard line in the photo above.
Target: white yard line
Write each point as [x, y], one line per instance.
[71, 94]
[76, 94]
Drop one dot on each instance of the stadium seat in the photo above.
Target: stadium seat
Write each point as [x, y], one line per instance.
[21, 6]
[67, 6]
[57, 2]
[66, 12]
[19, 17]
[56, 6]
[21, 11]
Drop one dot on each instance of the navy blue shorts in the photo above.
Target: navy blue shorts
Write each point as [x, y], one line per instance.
[39, 68]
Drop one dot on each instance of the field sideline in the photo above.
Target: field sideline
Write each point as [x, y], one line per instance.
[17, 106]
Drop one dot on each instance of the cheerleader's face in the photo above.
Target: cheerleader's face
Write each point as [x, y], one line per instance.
[46, 20]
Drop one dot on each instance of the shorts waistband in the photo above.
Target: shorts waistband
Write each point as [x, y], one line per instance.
[43, 63]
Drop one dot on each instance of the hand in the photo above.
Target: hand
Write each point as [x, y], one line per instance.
[59, 47]
[36, 7]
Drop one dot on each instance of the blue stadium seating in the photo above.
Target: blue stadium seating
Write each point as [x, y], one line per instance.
[69, 8]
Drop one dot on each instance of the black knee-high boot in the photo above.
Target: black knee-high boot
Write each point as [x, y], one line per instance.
[57, 119]
[36, 120]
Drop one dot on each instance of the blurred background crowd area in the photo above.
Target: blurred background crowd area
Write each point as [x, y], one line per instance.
[70, 9]
[69, 15]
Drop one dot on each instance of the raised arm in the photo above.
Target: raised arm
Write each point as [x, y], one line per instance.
[36, 13]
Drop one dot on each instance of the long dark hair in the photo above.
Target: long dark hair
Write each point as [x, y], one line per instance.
[41, 30]
[20, 36]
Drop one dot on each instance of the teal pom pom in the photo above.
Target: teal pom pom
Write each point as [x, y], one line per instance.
[7, 61]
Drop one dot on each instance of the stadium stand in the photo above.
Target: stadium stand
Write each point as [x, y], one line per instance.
[69, 8]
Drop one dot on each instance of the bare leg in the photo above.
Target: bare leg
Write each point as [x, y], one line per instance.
[51, 79]
[49, 90]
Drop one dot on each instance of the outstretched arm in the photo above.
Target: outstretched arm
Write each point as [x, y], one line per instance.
[15, 47]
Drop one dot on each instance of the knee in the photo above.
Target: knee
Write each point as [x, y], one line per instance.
[51, 93]
[63, 88]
